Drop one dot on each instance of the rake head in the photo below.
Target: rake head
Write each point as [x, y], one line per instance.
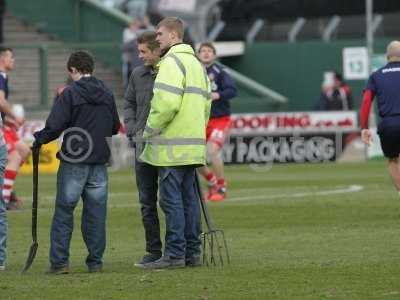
[215, 248]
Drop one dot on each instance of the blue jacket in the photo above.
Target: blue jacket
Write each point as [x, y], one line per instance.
[384, 83]
[86, 113]
[223, 84]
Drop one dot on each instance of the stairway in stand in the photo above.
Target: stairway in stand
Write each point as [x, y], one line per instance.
[24, 80]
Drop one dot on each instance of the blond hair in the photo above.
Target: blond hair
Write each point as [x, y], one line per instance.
[172, 24]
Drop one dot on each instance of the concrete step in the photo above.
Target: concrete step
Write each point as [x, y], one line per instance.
[11, 28]
[23, 39]
[11, 22]
[34, 88]
[25, 79]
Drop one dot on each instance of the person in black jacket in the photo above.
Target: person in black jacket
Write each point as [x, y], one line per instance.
[335, 94]
[87, 115]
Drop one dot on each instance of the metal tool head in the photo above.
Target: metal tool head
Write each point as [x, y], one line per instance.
[214, 245]
[215, 248]
[31, 256]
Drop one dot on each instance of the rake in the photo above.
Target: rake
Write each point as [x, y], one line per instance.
[34, 246]
[215, 248]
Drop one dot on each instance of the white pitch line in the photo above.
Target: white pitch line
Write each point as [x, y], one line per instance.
[350, 189]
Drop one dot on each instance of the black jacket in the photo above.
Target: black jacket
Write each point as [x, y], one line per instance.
[336, 99]
[86, 113]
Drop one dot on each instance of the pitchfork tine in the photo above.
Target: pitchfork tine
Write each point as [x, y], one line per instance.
[228, 258]
[211, 238]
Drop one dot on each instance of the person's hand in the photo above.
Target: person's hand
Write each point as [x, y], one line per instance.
[366, 136]
[215, 96]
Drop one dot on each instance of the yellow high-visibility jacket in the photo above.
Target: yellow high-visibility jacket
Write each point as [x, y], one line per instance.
[175, 133]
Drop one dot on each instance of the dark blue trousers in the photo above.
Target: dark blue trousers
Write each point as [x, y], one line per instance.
[180, 203]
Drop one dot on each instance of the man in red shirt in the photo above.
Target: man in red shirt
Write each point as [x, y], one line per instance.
[223, 89]
[18, 151]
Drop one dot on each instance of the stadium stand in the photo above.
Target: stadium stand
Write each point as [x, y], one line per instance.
[279, 17]
[25, 79]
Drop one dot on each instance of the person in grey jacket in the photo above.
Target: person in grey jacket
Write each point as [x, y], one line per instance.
[136, 110]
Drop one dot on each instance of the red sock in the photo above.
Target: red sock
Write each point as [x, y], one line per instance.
[211, 179]
[221, 182]
[9, 178]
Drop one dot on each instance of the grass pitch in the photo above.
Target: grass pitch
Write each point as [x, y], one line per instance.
[317, 231]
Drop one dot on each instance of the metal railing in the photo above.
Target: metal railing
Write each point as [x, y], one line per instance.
[259, 89]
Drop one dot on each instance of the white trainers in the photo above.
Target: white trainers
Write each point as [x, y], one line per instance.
[2, 268]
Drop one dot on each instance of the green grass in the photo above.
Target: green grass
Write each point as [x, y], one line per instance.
[288, 240]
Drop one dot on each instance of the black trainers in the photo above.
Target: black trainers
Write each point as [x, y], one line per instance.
[58, 270]
[166, 262]
[193, 261]
[148, 258]
[95, 268]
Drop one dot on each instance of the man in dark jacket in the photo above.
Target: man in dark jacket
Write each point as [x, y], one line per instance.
[223, 90]
[335, 94]
[136, 111]
[86, 112]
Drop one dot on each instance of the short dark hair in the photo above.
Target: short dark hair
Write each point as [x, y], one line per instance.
[338, 76]
[208, 45]
[5, 49]
[149, 38]
[172, 24]
[82, 61]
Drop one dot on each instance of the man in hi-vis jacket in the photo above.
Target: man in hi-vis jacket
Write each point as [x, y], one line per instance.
[175, 137]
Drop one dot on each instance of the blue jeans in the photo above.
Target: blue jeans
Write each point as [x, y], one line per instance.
[91, 183]
[3, 210]
[147, 184]
[180, 203]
